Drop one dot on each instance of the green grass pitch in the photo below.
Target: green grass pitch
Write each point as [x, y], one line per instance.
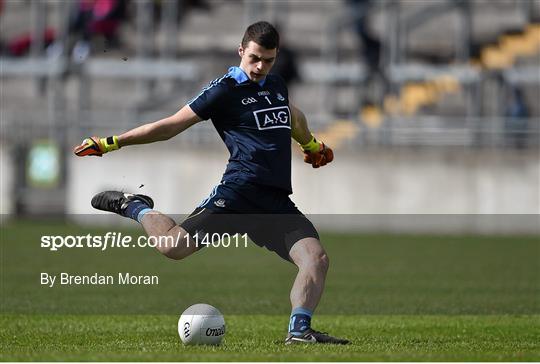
[398, 298]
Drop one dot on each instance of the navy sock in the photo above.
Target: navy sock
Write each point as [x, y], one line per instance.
[134, 208]
[300, 320]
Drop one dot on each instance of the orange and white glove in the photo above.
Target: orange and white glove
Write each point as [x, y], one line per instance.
[316, 153]
[97, 146]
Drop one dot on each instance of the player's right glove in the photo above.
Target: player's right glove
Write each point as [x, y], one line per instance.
[317, 153]
[97, 146]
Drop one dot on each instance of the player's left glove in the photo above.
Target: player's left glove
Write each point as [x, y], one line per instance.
[97, 146]
[317, 153]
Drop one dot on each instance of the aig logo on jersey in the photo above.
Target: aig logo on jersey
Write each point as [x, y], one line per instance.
[275, 117]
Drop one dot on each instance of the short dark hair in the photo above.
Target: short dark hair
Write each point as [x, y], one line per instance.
[262, 33]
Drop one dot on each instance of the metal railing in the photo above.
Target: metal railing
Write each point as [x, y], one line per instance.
[326, 71]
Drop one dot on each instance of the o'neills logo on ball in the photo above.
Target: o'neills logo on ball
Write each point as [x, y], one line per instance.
[215, 331]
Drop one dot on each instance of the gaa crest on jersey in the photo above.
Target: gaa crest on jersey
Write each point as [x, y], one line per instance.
[272, 118]
[280, 97]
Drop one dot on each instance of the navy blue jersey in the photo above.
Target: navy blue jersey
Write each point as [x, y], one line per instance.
[254, 121]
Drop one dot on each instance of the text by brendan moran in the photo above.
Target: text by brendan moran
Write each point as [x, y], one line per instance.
[96, 279]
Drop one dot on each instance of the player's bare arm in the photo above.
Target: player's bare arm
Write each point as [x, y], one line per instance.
[299, 128]
[316, 152]
[160, 130]
[156, 131]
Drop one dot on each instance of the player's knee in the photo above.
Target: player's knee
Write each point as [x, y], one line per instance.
[319, 261]
[323, 262]
[310, 255]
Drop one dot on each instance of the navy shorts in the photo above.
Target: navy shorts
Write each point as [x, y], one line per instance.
[266, 214]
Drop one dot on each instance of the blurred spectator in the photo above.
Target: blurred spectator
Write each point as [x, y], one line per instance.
[375, 84]
[371, 47]
[95, 17]
[286, 65]
[20, 45]
[90, 18]
[516, 122]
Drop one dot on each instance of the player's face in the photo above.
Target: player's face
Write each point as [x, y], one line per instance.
[256, 61]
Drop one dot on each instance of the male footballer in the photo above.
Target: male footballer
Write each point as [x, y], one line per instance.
[250, 110]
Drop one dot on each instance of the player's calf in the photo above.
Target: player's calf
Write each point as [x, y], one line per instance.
[172, 242]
